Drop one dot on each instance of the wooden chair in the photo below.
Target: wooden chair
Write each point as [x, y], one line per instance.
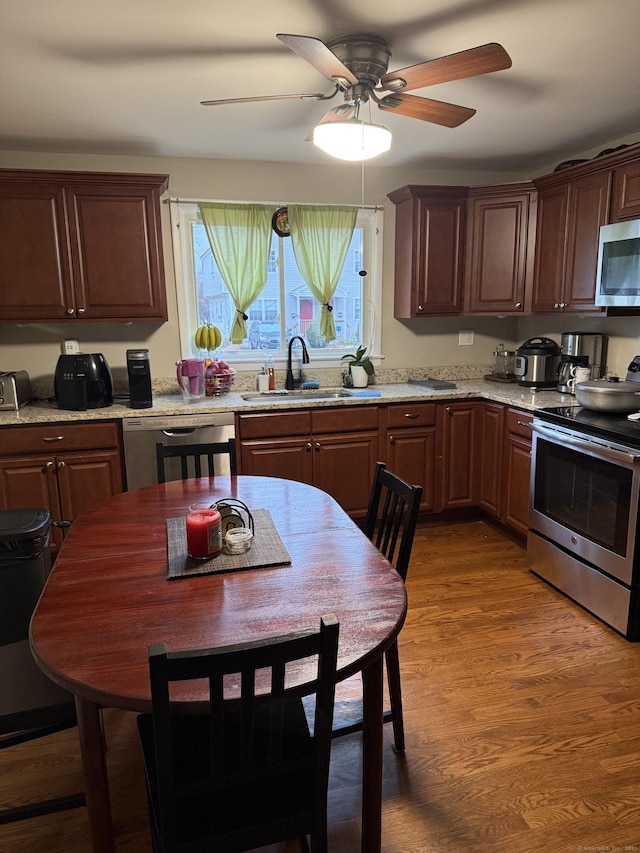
[195, 453]
[248, 773]
[391, 525]
[31, 705]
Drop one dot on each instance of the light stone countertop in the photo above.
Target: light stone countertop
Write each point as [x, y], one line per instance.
[43, 412]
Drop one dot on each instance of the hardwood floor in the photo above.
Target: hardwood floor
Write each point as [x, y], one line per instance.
[522, 717]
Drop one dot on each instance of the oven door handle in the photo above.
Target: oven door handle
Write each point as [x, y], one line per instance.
[592, 447]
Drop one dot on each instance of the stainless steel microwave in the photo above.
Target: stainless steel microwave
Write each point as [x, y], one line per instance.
[618, 271]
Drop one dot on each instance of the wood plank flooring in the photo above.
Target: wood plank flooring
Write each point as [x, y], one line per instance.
[522, 716]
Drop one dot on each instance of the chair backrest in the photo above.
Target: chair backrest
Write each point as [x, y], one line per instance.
[392, 516]
[254, 740]
[195, 454]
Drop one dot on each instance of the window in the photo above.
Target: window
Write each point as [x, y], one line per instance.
[285, 306]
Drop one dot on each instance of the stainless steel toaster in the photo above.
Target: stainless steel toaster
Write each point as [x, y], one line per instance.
[15, 389]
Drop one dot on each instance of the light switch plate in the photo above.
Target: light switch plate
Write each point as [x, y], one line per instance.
[466, 337]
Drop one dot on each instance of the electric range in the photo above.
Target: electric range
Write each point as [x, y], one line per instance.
[584, 520]
[615, 427]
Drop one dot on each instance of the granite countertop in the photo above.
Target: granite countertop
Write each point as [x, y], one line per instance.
[232, 401]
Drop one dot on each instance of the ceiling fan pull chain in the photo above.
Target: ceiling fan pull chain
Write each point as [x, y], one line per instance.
[362, 272]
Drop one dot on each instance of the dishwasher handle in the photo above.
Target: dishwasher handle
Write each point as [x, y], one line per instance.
[180, 431]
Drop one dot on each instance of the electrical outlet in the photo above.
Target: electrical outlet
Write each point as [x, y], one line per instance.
[466, 337]
[70, 347]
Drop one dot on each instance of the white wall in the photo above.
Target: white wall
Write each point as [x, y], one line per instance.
[423, 343]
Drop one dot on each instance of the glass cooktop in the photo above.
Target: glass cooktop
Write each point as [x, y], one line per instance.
[615, 427]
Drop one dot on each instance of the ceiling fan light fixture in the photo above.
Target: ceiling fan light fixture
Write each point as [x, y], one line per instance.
[352, 139]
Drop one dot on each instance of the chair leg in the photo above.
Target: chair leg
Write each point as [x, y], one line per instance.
[45, 807]
[392, 661]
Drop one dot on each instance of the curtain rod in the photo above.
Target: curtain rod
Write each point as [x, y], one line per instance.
[276, 204]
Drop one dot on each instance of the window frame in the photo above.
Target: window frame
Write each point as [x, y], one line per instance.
[185, 213]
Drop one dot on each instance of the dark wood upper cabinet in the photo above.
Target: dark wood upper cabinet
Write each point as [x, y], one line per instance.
[499, 248]
[81, 246]
[570, 213]
[429, 253]
[511, 249]
[625, 195]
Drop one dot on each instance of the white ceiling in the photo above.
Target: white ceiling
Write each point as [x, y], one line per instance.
[127, 77]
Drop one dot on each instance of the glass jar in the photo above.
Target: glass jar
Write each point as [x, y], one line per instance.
[204, 538]
[504, 363]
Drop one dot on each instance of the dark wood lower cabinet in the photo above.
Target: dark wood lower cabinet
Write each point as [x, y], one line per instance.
[457, 425]
[465, 454]
[490, 424]
[63, 468]
[333, 449]
[517, 470]
[412, 448]
[504, 464]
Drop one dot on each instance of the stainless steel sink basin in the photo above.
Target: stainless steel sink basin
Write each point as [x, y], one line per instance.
[319, 394]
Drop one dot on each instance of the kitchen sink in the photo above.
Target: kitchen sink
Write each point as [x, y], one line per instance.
[311, 394]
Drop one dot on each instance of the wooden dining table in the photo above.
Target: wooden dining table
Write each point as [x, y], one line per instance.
[109, 598]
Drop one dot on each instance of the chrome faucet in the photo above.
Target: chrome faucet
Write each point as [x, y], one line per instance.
[289, 382]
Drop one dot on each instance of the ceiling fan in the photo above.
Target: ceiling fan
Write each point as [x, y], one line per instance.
[357, 66]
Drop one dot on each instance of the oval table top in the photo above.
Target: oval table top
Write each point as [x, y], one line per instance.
[108, 597]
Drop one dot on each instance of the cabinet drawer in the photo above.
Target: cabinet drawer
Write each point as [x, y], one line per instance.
[516, 418]
[274, 424]
[60, 437]
[344, 420]
[411, 415]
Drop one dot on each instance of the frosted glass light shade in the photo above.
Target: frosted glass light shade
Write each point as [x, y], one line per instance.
[352, 139]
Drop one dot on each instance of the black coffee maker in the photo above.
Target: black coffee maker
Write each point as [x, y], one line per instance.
[83, 381]
[139, 373]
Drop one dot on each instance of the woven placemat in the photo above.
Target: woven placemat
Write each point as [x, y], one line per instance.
[267, 549]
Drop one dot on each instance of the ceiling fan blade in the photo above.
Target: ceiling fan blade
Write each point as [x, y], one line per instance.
[425, 109]
[467, 63]
[317, 96]
[344, 111]
[316, 53]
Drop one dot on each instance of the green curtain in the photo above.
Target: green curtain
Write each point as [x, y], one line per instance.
[320, 238]
[240, 239]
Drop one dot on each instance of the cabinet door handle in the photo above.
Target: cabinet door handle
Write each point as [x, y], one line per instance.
[308, 446]
[518, 306]
[50, 464]
[524, 424]
[71, 311]
[392, 439]
[318, 446]
[53, 438]
[420, 308]
[410, 415]
[62, 464]
[81, 310]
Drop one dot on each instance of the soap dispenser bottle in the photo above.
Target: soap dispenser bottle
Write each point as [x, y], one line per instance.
[263, 379]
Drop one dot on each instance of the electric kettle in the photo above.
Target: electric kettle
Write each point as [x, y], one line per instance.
[567, 371]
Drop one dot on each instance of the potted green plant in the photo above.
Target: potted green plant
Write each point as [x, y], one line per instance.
[358, 368]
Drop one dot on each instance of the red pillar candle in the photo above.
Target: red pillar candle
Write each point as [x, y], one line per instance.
[203, 533]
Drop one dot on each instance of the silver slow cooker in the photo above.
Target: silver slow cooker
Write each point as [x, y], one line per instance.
[537, 362]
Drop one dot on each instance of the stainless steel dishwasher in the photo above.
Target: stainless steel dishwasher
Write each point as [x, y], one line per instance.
[142, 434]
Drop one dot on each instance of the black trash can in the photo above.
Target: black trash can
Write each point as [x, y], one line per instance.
[25, 563]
